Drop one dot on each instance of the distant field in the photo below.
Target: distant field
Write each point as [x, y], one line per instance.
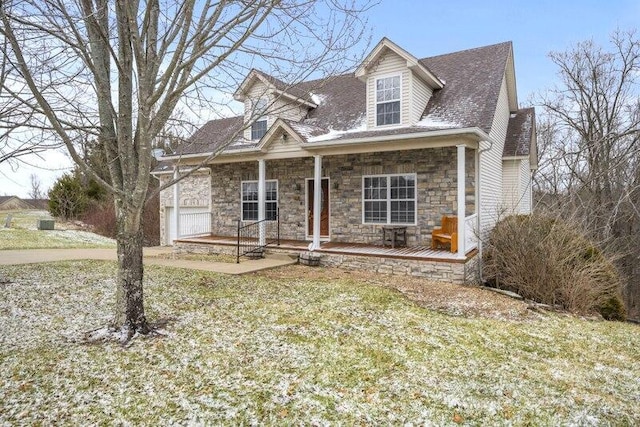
[23, 234]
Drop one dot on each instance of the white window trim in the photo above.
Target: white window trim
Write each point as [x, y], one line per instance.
[242, 201]
[266, 126]
[415, 199]
[375, 100]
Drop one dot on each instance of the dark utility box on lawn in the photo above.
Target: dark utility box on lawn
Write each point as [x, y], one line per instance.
[45, 224]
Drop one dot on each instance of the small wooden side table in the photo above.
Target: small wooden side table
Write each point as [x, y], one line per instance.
[394, 235]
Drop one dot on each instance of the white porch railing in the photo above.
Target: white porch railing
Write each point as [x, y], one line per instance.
[470, 232]
[195, 224]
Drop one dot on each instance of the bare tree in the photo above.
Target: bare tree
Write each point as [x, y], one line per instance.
[590, 145]
[116, 70]
[36, 191]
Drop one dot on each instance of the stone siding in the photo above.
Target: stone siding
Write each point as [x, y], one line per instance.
[436, 171]
[226, 194]
[441, 271]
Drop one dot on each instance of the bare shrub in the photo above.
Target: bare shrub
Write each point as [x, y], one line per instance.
[549, 260]
[102, 217]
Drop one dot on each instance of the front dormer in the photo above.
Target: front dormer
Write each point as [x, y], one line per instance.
[398, 86]
[267, 99]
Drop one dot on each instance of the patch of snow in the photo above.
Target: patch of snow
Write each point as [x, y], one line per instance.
[317, 98]
[81, 236]
[334, 134]
[436, 122]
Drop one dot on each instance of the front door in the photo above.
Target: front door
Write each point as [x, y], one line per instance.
[324, 210]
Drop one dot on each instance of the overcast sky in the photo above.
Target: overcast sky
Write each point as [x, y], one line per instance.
[427, 28]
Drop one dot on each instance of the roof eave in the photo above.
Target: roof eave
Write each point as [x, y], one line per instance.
[295, 98]
[426, 75]
[475, 132]
[277, 125]
[412, 63]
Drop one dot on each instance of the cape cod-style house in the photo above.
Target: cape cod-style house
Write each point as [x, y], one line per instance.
[343, 165]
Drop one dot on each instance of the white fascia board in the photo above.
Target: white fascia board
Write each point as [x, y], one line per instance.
[412, 63]
[475, 132]
[202, 170]
[422, 72]
[295, 98]
[373, 142]
[267, 137]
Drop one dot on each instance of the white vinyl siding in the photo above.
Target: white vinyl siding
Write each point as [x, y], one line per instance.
[388, 65]
[286, 109]
[420, 95]
[389, 199]
[256, 92]
[516, 186]
[280, 107]
[510, 185]
[525, 187]
[491, 165]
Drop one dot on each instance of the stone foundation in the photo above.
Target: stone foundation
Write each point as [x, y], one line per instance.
[442, 271]
[461, 273]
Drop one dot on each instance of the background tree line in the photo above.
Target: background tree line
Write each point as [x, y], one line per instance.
[589, 145]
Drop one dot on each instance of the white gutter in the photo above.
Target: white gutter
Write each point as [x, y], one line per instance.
[477, 132]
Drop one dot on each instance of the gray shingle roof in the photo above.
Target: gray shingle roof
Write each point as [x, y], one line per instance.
[5, 198]
[519, 133]
[294, 90]
[213, 134]
[472, 85]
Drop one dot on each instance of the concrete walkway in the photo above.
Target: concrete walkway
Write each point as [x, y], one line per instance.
[151, 257]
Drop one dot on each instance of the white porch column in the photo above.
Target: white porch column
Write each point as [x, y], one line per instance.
[176, 202]
[262, 190]
[461, 200]
[317, 201]
[477, 195]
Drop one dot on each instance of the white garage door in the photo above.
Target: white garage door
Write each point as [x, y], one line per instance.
[193, 221]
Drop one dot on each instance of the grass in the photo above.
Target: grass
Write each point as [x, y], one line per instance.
[23, 234]
[276, 350]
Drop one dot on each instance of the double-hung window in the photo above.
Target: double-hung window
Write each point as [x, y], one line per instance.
[389, 199]
[259, 127]
[250, 200]
[388, 101]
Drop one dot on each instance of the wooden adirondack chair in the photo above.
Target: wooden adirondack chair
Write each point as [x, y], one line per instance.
[446, 234]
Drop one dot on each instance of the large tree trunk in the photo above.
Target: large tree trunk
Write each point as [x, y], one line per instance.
[129, 294]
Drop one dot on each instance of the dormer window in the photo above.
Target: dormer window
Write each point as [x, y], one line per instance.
[388, 101]
[259, 127]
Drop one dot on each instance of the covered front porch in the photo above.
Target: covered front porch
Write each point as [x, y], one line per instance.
[329, 201]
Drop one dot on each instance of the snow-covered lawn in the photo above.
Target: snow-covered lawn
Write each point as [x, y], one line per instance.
[264, 349]
[23, 234]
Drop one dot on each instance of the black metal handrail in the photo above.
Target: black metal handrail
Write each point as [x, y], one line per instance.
[249, 236]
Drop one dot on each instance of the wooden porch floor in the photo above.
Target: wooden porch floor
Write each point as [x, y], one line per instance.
[422, 253]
